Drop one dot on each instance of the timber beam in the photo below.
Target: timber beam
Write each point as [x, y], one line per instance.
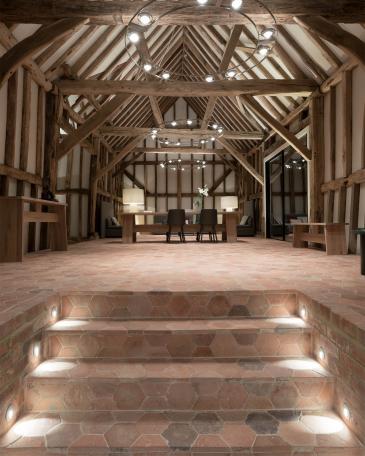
[300, 87]
[121, 11]
[25, 49]
[242, 160]
[180, 133]
[108, 110]
[335, 34]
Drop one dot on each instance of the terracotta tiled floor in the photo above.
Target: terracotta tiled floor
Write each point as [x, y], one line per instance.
[168, 432]
[251, 264]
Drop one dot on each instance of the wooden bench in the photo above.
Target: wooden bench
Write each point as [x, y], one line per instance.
[331, 235]
[14, 214]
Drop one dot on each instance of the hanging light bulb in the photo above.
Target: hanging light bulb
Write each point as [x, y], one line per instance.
[165, 75]
[133, 37]
[144, 18]
[189, 122]
[202, 2]
[174, 123]
[212, 138]
[236, 4]
[166, 142]
[231, 73]
[220, 130]
[268, 33]
[263, 50]
[179, 160]
[147, 67]
[162, 165]
[154, 131]
[202, 141]
[215, 126]
[209, 78]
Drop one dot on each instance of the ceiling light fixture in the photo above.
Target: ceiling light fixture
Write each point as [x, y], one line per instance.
[231, 74]
[263, 50]
[10, 413]
[346, 411]
[144, 18]
[133, 37]
[189, 122]
[262, 42]
[36, 350]
[174, 123]
[268, 33]
[236, 4]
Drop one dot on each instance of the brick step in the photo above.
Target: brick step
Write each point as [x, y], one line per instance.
[179, 305]
[273, 432]
[289, 336]
[64, 385]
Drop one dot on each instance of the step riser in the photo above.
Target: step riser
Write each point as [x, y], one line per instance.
[230, 344]
[197, 394]
[179, 305]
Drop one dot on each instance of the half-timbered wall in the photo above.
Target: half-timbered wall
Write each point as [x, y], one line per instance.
[344, 183]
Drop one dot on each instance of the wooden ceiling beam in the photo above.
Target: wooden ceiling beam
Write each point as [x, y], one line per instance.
[180, 132]
[176, 150]
[25, 49]
[226, 59]
[276, 125]
[120, 11]
[107, 111]
[189, 89]
[8, 40]
[335, 35]
[242, 160]
[119, 156]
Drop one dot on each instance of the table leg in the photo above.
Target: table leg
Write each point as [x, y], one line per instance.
[230, 222]
[127, 223]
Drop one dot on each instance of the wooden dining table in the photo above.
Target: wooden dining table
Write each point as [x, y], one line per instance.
[130, 229]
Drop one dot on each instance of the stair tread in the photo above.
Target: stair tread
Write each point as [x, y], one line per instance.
[249, 369]
[268, 432]
[153, 326]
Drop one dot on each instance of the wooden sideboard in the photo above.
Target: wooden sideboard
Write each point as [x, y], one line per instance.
[14, 214]
[127, 219]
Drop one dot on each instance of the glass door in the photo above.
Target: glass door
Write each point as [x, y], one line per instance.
[286, 193]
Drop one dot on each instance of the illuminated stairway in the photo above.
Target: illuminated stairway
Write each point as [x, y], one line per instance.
[224, 384]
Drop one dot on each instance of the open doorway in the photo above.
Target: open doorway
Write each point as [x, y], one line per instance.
[286, 193]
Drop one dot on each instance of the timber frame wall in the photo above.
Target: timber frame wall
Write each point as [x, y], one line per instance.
[336, 121]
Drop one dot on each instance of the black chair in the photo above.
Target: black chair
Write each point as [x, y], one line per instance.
[208, 223]
[176, 222]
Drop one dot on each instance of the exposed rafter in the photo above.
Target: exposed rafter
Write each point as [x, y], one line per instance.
[190, 89]
[24, 50]
[120, 11]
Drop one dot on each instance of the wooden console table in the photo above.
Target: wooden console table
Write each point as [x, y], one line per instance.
[361, 233]
[333, 236]
[127, 220]
[14, 216]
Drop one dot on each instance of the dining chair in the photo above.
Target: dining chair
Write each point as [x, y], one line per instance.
[176, 222]
[208, 224]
